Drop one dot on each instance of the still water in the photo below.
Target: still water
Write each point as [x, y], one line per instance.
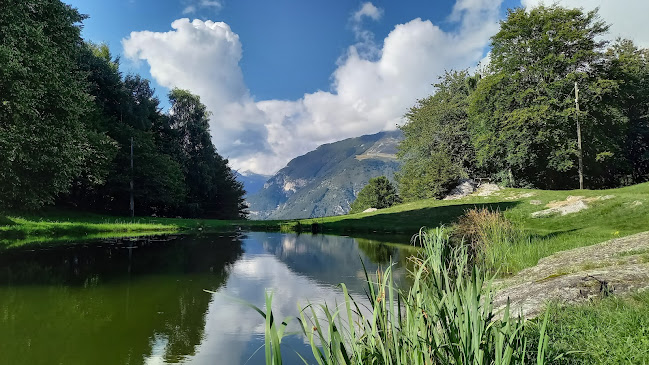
[142, 301]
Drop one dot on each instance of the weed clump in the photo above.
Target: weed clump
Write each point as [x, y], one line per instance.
[488, 237]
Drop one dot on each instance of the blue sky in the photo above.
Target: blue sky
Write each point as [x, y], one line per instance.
[282, 77]
[290, 46]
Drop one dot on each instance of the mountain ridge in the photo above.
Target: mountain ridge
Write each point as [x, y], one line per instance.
[326, 180]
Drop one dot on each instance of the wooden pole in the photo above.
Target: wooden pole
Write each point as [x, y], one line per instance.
[132, 205]
[580, 151]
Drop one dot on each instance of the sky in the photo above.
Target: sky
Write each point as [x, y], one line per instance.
[283, 77]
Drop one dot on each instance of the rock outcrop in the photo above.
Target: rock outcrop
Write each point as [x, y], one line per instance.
[618, 266]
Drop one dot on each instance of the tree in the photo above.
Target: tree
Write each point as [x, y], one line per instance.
[124, 109]
[523, 112]
[42, 102]
[630, 64]
[437, 149]
[213, 190]
[378, 193]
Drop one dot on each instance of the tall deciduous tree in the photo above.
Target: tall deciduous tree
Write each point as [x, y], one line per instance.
[437, 149]
[523, 110]
[42, 101]
[630, 64]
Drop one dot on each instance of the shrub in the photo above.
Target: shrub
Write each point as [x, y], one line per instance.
[378, 193]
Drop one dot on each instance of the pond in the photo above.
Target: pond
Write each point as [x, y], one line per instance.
[143, 300]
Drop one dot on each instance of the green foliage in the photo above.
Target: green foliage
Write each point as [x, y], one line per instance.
[67, 119]
[523, 112]
[379, 193]
[437, 149]
[213, 188]
[629, 63]
[515, 122]
[42, 102]
[447, 317]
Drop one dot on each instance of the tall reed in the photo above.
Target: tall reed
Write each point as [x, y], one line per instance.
[446, 317]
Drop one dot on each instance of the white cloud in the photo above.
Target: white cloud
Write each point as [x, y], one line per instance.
[368, 10]
[195, 6]
[628, 18]
[365, 45]
[369, 92]
[189, 9]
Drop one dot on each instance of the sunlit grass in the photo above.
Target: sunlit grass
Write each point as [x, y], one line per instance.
[614, 330]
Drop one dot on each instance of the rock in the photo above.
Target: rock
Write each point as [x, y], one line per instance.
[536, 202]
[618, 266]
[572, 204]
[573, 207]
[370, 210]
[464, 188]
[487, 189]
[520, 196]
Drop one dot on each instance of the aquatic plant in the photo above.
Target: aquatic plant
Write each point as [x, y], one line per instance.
[446, 317]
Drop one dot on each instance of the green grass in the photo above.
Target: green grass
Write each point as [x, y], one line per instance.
[35, 240]
[21, 226]
[605, 219]
[610, 331]
[54, 224]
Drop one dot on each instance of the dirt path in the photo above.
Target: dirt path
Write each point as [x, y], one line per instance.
[617, 266]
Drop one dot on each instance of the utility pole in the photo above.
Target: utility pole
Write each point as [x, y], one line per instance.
[580, 154]
[132, 205]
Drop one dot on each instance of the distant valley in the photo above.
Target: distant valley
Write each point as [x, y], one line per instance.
[325, 181]
[252, 183]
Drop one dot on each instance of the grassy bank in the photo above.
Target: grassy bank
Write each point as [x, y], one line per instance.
[621, 212]
[56, 223]
[611, 331]
[610, 214]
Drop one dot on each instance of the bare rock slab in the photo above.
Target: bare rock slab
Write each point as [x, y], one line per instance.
[618, 266]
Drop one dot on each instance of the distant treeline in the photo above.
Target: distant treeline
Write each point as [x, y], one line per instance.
[515, 120]
[67, 117]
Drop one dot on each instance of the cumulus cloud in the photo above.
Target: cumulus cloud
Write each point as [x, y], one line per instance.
[369, 92]
[627, 17]
[203, 57]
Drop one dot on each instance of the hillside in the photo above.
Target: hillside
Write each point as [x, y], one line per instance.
[324, 182]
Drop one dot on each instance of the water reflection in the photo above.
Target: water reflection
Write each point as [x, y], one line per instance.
[142, 302]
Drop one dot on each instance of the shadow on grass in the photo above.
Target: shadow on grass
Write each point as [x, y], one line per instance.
[5, 221]
[551, 235]
[410, 221]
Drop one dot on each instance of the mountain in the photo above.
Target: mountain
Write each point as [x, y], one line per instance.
[325, 181]
[252, 182]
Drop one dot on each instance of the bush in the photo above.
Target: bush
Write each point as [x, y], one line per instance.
[378, 193]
